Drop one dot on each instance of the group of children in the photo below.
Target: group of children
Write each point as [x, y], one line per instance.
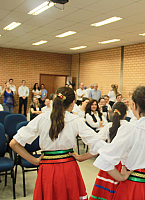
[120, 145]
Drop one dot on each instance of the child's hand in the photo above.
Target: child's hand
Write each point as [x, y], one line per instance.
[76, 156]
[125, 173]
[39, 159]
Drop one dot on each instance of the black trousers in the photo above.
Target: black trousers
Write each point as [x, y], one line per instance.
[21, 102]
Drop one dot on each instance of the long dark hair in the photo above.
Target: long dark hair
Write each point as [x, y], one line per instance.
[88, 108]
[138, 98]
[60, 104]
[114, 89]
[120, 109]
[34, 88]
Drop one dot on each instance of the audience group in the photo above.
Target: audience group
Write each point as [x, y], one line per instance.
[93, 107]
[39, 103]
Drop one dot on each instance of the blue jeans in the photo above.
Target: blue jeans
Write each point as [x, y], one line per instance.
[8, 107]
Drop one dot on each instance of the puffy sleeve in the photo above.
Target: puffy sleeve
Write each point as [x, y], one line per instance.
[110, 154]
[89, 137]
[27, 134]
[104, 132]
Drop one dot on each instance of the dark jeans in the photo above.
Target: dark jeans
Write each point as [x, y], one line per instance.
[21, 102]
[8, 107]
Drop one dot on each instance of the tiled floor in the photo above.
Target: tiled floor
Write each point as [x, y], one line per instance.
[89, 173]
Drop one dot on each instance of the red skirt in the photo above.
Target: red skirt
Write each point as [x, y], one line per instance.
[59, 179]
[133, 188]
[105, 186]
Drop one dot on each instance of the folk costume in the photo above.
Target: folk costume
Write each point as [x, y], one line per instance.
[59, 176]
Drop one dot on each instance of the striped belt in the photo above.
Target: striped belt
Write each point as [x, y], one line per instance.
[137, 176]
[57, 156]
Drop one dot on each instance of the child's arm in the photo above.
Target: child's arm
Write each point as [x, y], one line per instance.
[23, 153]
[83, 157]
[120, 176]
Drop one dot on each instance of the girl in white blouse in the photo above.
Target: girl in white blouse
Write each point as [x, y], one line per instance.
[128, 147]
[94, 118]
[59, 176]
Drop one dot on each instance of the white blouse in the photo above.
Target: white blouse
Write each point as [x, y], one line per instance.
[112, 96]
[66, 139]
[104, 132]
[128, 147]
[96, 125]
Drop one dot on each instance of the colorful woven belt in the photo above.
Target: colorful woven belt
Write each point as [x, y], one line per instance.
[57, 156]
[137, 176]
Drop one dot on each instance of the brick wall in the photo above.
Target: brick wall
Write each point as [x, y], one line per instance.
[134, 68]
[24, 64]
[102, 67]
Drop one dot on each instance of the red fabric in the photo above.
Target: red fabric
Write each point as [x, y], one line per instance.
[60, 181]
[104, 189]
[130, 190]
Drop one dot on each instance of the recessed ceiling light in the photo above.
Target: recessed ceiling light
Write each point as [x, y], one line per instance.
[76, 48]
[41, 8]
[12, 26]
[40, 42]
[142, 34]
[109, 41]
[106, 21]
[68, 33]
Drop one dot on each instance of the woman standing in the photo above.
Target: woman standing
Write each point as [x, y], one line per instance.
[8, 104]
[36, 92]
[112, 95]
[59, 176]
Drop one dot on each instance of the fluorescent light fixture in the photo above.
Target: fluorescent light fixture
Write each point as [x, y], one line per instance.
[66, 34]
[12, 26]
[106, 21]
[40, 42]
[109, 41]
[41, 8]
[142, 34]
[76, 48]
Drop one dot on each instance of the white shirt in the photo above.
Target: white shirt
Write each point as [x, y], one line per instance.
[23, 91]
[104, 132]
[80, 92]
[88, 92]
[45, 109]
[37, 91]
[130, 113]
[96, 125]
[128, 146]
[112, 96]
[13, 88]
[74, 126]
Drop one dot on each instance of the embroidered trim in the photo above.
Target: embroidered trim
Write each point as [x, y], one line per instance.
[107, 180]
[97, 197]
[138, 174]
[55, 157]
[99, 186]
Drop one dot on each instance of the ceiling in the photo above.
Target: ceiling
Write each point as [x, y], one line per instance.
[76, 16]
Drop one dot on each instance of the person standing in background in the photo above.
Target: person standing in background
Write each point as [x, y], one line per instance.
[80, 93]
[43, 95]
[13, 87]
[112, 95]
[23, 92]
[36, 92]
[8, 98]
[88, 90]
[95, 93]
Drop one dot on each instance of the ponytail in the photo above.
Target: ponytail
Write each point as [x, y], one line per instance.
[119, 110]
[64, 97]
